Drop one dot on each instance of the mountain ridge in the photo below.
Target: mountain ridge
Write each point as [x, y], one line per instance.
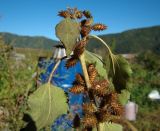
[129, 41]
[25, 41]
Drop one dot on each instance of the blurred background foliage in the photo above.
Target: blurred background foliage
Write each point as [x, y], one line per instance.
[16, 76]
[145, 78]
[15, 83]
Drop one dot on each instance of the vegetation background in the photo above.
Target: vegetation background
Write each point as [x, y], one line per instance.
[17, 79]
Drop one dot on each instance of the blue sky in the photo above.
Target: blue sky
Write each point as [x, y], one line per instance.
[39, 17]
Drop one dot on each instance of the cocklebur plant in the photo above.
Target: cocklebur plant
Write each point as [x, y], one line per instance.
[103, 102]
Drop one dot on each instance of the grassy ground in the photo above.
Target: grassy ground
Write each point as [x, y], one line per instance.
[148, 120]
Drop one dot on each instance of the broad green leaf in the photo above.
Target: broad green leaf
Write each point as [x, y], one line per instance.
[122, 73]
[109, 127]
[68, 31]
[46, 104]
[124, 97]
[94, 58]
[111, 55]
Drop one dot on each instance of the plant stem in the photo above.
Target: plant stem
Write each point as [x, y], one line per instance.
[98, 38]
[55, 67]
[99, 126]
[88, 84]
[109, 50]
[87, 81]
[86, 77]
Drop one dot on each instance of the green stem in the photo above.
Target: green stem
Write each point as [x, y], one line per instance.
[86, 77]
[109, 50]
[55, 67]
[99, 126]
[88, 84]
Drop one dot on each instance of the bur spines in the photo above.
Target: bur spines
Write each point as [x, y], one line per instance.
[78, 14]
[113, 97]
[99, 90]
[64, 13]
[79, 49]
[77, 89]
[89, 108]
[77, 52]
[88, 22]
[117, 109]
[103, 115]
[109, 98]
[92, 72]
[87, 14]
[104, 83]
[85, 30]
[99, 27]
[71, 62]
[80, 79]
[89, 121]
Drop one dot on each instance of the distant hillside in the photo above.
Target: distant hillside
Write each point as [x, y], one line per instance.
[131, 41]
[28, 41]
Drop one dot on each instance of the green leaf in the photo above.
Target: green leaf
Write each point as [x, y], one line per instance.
[94, 58]
[122, 73]
[109, 127]
[46, 104]
[68, 31]
[124, 97]
[111, 55]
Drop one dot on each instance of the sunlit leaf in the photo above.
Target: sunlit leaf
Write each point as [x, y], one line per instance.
[109, 127]
[94, 58]
[111, 55]
[122, 73]
[46, 104]
[68, 31]
[124, 97]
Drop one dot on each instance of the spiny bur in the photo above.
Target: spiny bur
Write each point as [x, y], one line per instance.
[64, 13]
[79, 49]
[89, 108]
[71, 62]
[87, 14]
[79, 14]
[80, 79]
[117, 109]
[92, 72]
[99, 27]
[85, 30]
[77, 89]
[89, 121]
